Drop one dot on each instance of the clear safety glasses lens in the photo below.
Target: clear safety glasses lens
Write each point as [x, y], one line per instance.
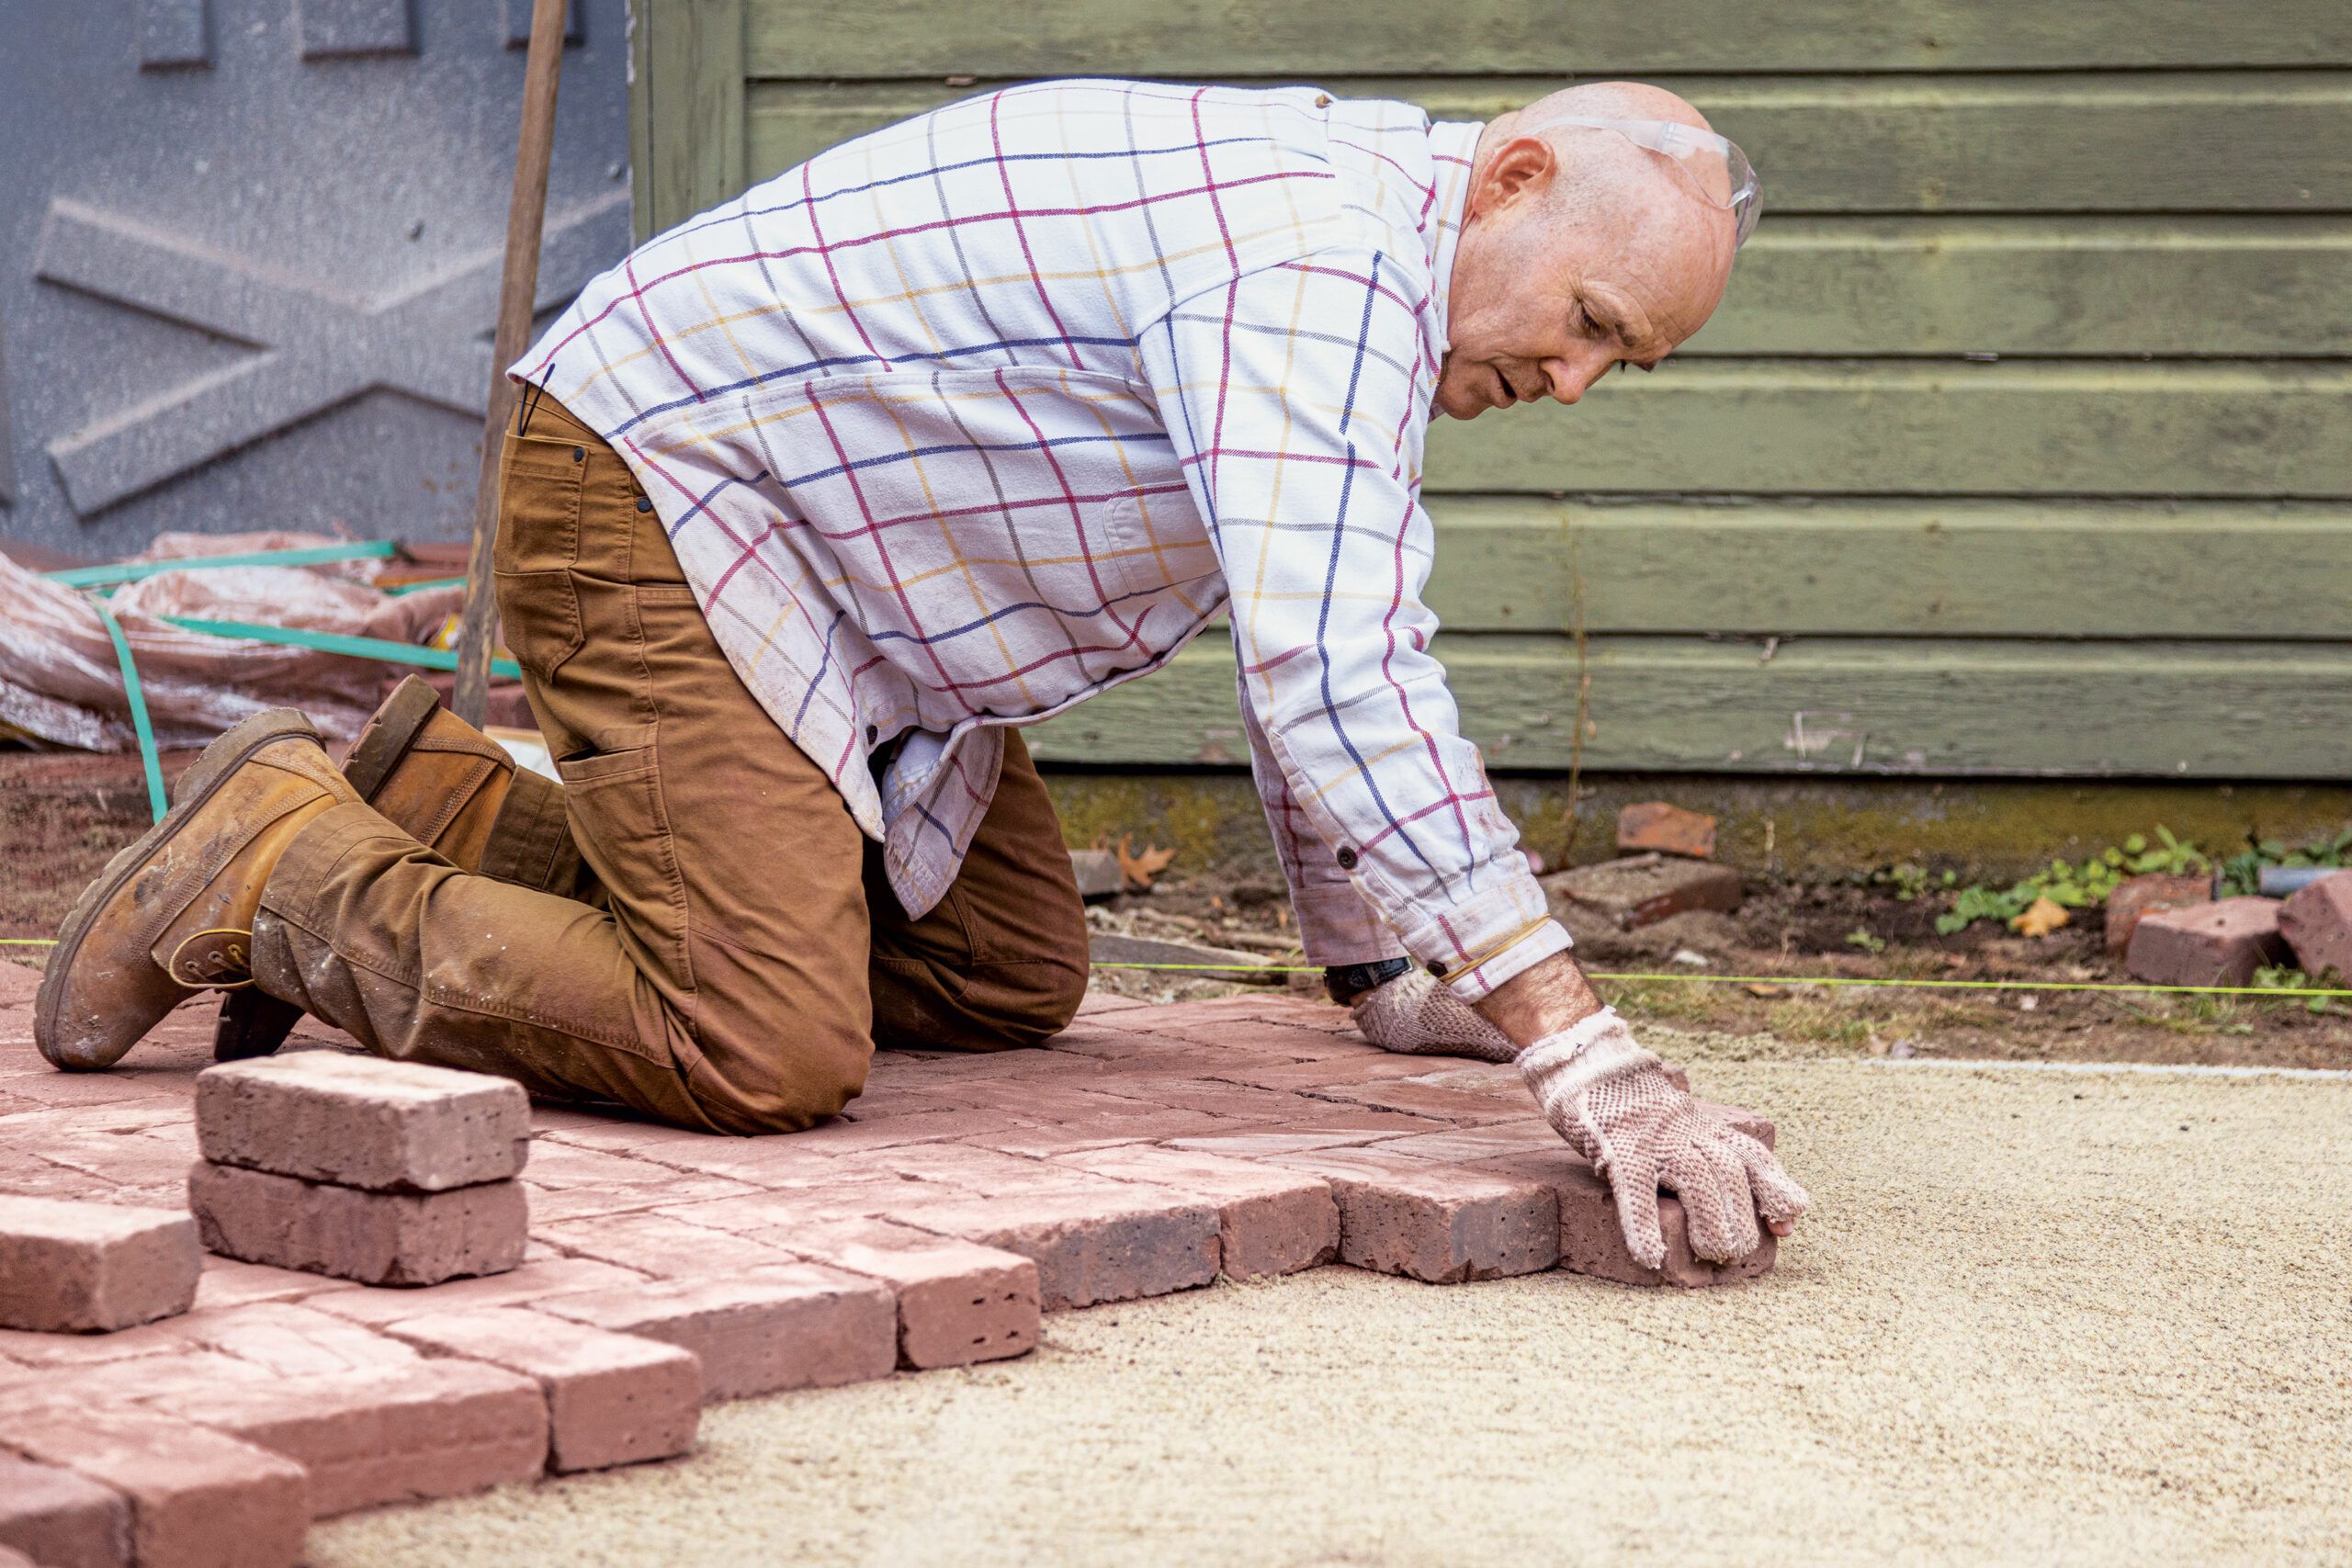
[1715, 167]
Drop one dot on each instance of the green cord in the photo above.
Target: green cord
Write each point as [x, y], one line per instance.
[134, 572]
[137, 697]
[337, 642]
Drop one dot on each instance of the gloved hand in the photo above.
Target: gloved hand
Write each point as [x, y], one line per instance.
[1614, 1104]
[1415, 1015]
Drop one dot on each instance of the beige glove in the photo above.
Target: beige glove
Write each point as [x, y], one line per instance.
[1612, 1103]
[1415, 1015]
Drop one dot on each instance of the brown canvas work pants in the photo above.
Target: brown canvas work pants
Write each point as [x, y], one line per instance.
[726, 953]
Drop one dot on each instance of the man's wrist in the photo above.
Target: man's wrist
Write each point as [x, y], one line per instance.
[1346, 982]
[1541, 1000]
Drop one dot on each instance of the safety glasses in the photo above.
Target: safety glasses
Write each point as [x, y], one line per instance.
[1716, 169]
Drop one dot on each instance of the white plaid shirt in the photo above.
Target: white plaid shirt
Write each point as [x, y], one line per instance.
[965, 420]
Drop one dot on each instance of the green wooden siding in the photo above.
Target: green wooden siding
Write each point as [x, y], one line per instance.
[2022, 444]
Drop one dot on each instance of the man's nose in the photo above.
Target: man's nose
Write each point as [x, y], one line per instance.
[1571, 377]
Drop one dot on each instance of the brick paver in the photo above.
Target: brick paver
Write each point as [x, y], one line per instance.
[1149, 1150]
[79, 1267]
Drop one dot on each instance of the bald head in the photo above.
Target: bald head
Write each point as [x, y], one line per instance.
[1581, 249]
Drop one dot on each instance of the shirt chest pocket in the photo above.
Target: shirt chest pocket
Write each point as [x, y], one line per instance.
[1158, 540]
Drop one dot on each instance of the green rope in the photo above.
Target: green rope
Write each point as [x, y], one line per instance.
[337, 642]
[2276, 993]
[133, 571]
[399, 588]
[137, 697]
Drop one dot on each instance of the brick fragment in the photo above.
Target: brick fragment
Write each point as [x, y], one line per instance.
[2220, 943]
[197, 1499]
[1110, 1243]
[1640, 890]
[2317, 922]
[787, 1326]
[378, 1238]
[1098, 874]
[2140, 896]
[379, 1435]
[1439, 1222]
[958, 1302]
[1592, 1242]
[1654, 825]
[88, 1267]
[1269, 1221]
[612, 1398]
[59, 1519]
[363, 1121]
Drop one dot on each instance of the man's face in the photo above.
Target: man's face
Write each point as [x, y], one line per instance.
[1551, 290]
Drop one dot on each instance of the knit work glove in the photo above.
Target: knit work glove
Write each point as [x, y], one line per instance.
[1614, 1103]
[1415, 1015]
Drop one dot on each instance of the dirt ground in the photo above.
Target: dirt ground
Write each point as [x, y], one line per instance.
[2035, 1317]
[63, 815]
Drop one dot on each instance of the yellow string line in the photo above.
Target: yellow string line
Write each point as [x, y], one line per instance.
[2276, 993]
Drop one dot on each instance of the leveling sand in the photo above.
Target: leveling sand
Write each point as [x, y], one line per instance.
[2035, 1317]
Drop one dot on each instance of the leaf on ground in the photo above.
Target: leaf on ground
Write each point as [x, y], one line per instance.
[2044, 916]
[1137, 870]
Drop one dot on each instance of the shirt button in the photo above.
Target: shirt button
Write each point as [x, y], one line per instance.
[645, 503]
[1347, 858]
[872, 733]
[579, 454]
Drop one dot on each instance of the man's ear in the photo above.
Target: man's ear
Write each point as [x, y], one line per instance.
[1521, 167]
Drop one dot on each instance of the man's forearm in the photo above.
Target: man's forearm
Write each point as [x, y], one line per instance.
[1541, 999]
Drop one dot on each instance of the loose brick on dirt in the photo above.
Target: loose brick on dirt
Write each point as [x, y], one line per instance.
[1269, 1221]
[958, 1302]
[2317, 922]
[1592, 1242]
[789, 1325]
[363, 1121]
[1440, 1223]
[378, 1238]
[1111, 1243]
[1640, 890]
[434, 1429]
[612, 1398]
[2140, 896]
[77, 1268]
[2221, 944]
[59, 1519]
[1654, 825]
[197, 1499]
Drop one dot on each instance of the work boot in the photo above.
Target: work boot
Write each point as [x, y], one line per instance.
[454, 790]
[174, 913]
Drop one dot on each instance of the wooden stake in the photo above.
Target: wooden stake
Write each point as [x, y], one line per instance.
[518, 287]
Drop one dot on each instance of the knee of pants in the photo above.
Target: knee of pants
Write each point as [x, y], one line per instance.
[790, 1086]
[1028, 1003]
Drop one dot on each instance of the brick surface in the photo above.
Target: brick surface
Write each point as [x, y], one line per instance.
[362, 1121]
[289, 1339]
[612, 1398]
[2139, 895]
[2221, 944]
[537, 1278]
[379, 1238]
[434, 1428]
[197, 1499]
[788, 1325]
[1111, 1243]
[1652, 825]
[1640, 890]
[2317, 922]
[1269, 1221]
[1439, 1222]
[59, 1519]
[88, 1267]
[1592, 1242]
[957, 1302]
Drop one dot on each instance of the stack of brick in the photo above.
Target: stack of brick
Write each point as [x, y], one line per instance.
[384, 1172]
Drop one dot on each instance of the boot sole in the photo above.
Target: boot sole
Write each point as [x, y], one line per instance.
[221, 759]
[256, 1024]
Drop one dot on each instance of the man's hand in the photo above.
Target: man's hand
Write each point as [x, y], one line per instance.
[1612, 1104]
[1415, 1015]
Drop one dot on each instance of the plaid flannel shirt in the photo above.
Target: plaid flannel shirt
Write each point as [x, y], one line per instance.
[963, 421]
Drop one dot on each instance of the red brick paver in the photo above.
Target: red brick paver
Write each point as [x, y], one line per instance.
[1150, 1149]
[358, 1122]
[81, 1268]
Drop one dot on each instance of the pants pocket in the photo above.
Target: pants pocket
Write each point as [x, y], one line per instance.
[621, 827]
[538, 543]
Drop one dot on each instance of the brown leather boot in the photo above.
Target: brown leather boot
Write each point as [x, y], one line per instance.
[454, 790]
[174, 913]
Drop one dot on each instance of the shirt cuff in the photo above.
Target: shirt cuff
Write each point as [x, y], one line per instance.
[1477, 944]
[1336, 926]
[1483, 980]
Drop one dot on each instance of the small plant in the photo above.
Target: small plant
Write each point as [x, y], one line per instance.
[2242, 872]
[2286, 977]
[1908, 882]
[2073, 886]
[1862, 938]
